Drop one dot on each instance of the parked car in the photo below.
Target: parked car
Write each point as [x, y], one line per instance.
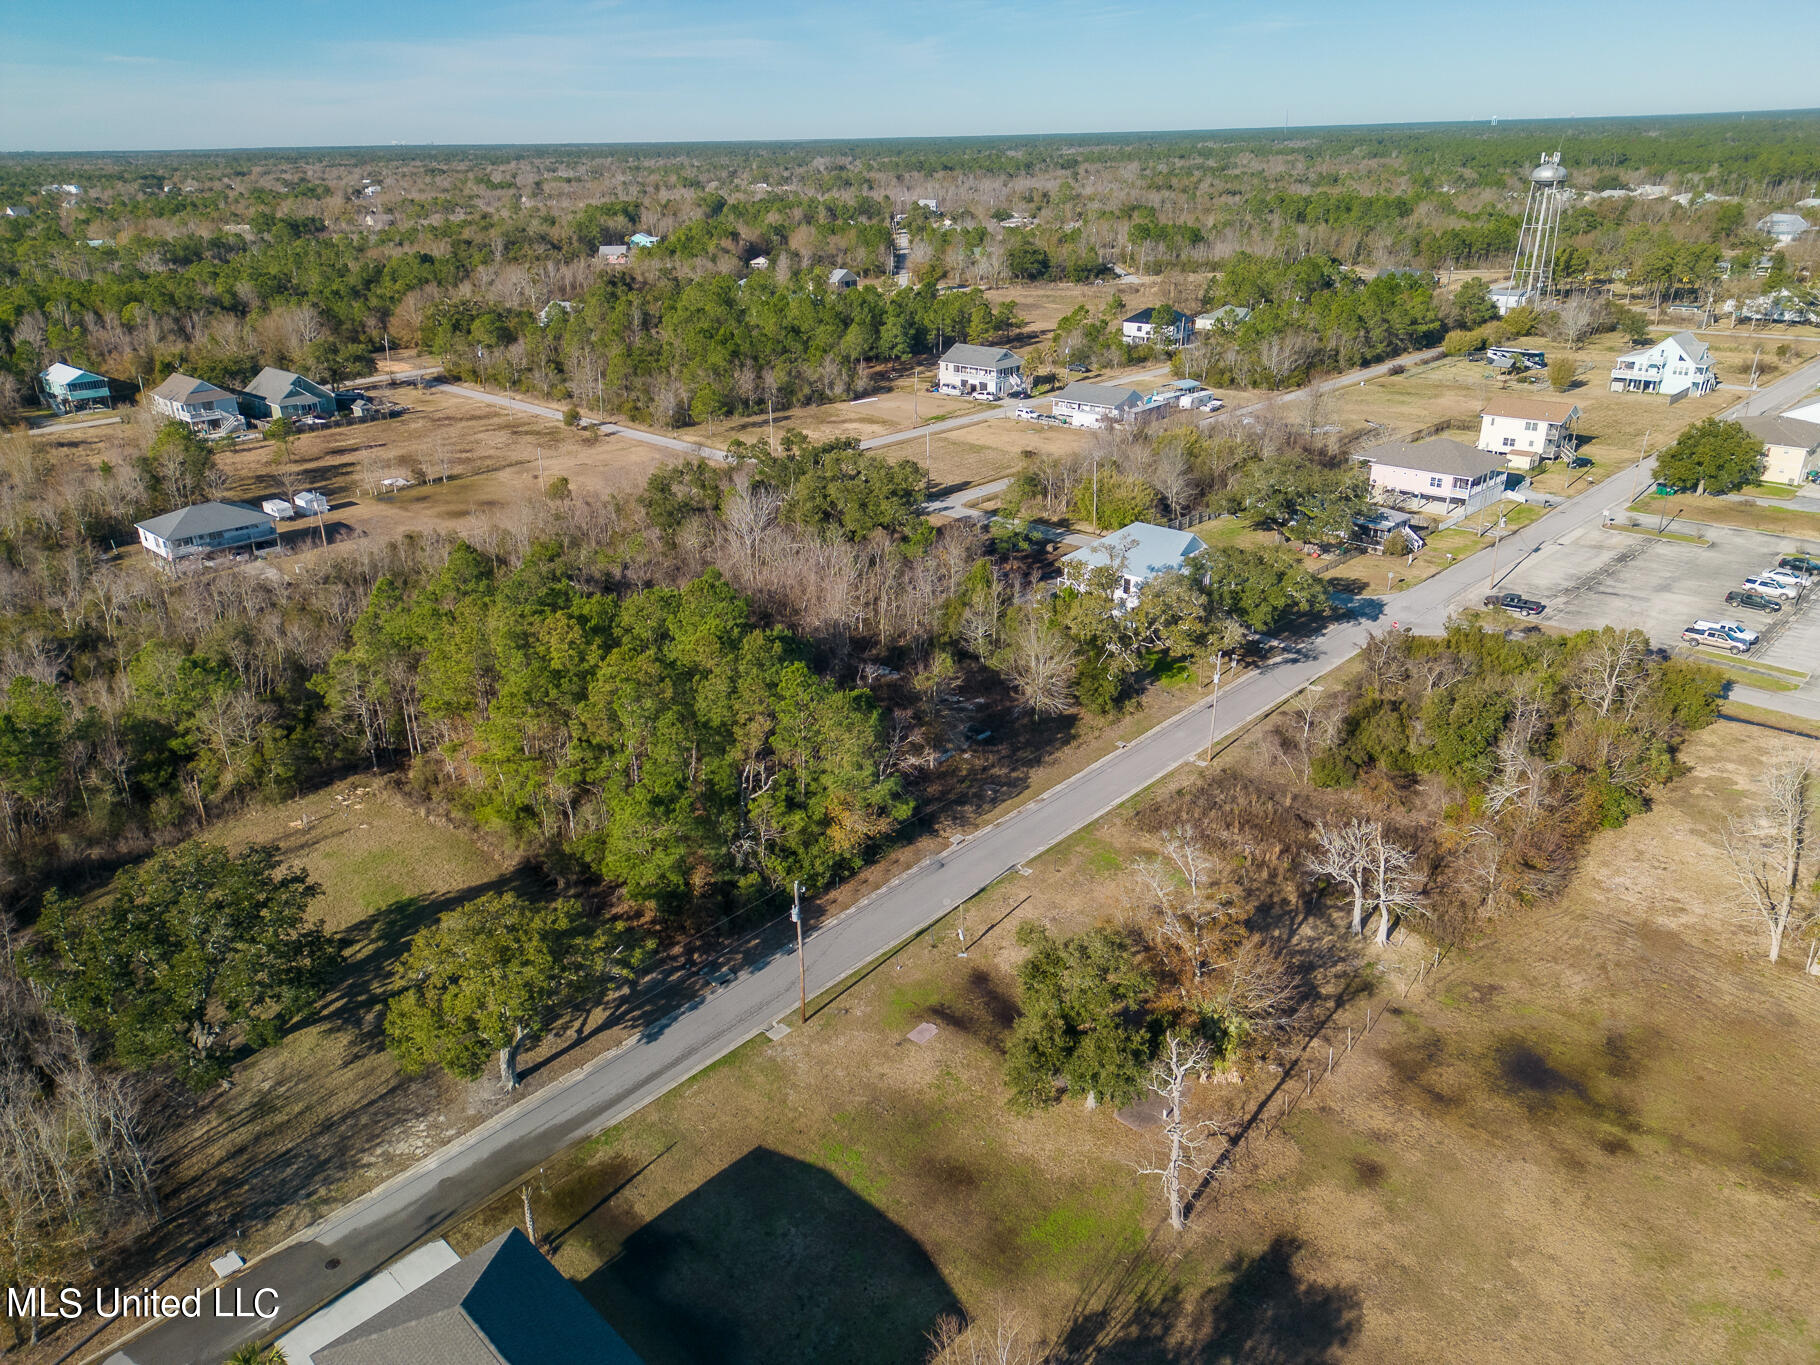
[1029, 414]
[1736, 630]
[1515, 601]
[1772, 587]
[1077, 368]
[1751, 601]
[1713, 638]
[1792, 577]
[1806, 564]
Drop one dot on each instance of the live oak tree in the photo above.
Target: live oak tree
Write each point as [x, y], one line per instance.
[1711, 457]
[193, 952]
[494, 973]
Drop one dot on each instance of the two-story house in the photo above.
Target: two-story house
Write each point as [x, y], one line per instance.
[992, 370]
[198, 405]
[1677, 364]
[1526, 430]
[67, 389]
[1452, 474]
[1141, 329]
[284, 393]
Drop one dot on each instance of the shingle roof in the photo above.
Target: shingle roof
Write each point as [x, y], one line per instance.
[1143, 549]
[1440, 455]
[1531, 409]
[274, 385]
[503, 1305]
[181, 388]
[986, 357]
[1782, 431]
[1101, 395]
[203, 519]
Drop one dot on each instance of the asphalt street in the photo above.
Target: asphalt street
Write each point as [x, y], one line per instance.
[361, 1237]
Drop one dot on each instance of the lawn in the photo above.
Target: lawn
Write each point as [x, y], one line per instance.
[1792, 522]
[1593, 1129]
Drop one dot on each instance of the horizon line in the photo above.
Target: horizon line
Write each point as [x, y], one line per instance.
[1491, 122]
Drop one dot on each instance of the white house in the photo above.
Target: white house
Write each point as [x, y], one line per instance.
[1460, 477]
[980, 369]
[1137, 553]
[1095, 405]
[842, 278]
[1784, 227]
[1789, 445]
[1677, 364]
[1140, 329]
[206, 527]
[1526, 430]
[200, 406]
[614, 253]
[1508, 298]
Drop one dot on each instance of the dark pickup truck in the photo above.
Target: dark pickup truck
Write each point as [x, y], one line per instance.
[1515, 601]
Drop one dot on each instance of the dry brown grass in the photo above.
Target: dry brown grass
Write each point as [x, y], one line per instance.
[1593, 1139]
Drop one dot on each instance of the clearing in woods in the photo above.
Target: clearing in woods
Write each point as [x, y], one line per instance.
[1593, 1138]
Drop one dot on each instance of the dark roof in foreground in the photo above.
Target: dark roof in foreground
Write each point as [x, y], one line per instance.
[1101, 395]
[503, 1305]
[1440, 455]
[1782, 431]
[202, 519]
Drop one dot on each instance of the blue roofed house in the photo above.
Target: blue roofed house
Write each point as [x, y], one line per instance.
[283, 393]
[1136, 554]
[642, 239]
[67, 389]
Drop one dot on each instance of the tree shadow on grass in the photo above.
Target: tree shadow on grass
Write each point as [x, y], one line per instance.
[772, 1260]
[1267, 1313]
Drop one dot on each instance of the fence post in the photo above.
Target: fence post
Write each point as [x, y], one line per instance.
[1330, 1059]
[1349, 1037]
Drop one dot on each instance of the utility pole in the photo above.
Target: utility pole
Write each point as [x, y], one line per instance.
[1636, 470]
[916, 393]
[802, 974]
[540, 469]
[1096, 492]
[960, 929]
[1213, 710]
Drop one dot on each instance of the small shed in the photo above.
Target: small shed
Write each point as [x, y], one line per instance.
[842, 278]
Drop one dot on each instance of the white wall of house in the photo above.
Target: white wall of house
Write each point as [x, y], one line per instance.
[1000, 383]
[1664, 368]
[221, 415]
[1084, 414]
[1519, 435]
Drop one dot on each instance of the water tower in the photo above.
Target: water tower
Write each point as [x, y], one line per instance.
[1532, 277]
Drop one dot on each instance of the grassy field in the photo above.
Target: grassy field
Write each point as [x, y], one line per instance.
[1792, 522]
[1591, 1139]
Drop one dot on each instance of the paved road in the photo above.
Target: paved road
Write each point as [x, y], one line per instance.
[364, 1235]
[50, 428]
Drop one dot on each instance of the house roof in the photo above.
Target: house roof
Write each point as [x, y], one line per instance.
[275, 385]
[986, 357]
[1439, 455]
[1528, 409]
[1141, 548]
[1145, 315]
[1100, 395]
[614, 249]
[1690, 346]
[205, 518]
[182, 388]
[61, 373]
[839, 273]
[503, 1305]
[1783, 430]
[1792, 223]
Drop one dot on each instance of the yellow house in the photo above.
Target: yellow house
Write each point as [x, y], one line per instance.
[1788, 446]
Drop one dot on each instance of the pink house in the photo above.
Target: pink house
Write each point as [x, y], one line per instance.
[1462, 478]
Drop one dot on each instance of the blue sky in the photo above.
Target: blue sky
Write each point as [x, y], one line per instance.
[125, 74]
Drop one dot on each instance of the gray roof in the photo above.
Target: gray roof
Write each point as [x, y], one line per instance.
[986, 357]
[1100, 395]
[205, 518]
[182, 388]
[840, 273]
[275, 385]
[1782, 431]
[1441, 455]
[503, 1305]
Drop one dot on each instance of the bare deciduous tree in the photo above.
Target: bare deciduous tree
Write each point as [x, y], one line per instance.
[1346, 854]
[1395, 887]
[1001, 1341]
[1766, 847]
[1181, 1059]
[1040, 663]
[1611, 671]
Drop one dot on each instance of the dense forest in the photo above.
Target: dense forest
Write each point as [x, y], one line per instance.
[222, 263]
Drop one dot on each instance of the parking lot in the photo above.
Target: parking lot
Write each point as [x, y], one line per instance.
[1597, 577]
